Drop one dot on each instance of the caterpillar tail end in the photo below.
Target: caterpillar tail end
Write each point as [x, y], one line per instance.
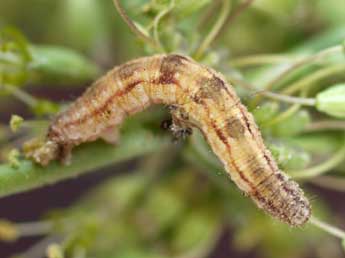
[41, 151]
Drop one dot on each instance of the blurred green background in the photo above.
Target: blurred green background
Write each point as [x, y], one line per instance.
[151, 197]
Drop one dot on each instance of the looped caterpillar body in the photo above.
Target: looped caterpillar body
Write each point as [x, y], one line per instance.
[201, 98]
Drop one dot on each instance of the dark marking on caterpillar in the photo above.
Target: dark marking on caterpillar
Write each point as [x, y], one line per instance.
[234, 127]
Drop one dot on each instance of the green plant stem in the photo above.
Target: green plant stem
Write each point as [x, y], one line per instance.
[242, 83]
[264, 59]
[313, 77]
[134, 28]
[225, 10]
[35, 124]
[156, 22]
[324, 167]
[287, 113]
[290, 99]
[38, 250]
[336, 183]
[29, 175]
[327, 228]
[326, 125]
[33, 228]
[21, 95]
[294, 108]
[305, 61]
[275, 96]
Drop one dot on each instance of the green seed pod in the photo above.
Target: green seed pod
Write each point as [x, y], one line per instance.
[332, 101]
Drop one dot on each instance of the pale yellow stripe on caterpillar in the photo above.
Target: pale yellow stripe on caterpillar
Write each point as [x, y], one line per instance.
[200, 98]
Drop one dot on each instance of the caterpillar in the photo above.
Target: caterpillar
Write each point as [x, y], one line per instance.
[199, 97]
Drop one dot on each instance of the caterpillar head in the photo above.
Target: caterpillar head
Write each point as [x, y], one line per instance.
[41, 151]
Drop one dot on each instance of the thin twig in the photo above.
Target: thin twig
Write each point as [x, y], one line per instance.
[33, 228]
[20, 94]
[275, 96]
[38, 250]
[36, 123]
[225, 10]
[336, 183]
[326, 125]
[242, 83]
[327, 228]
[260, 59]
[290, 99]
[134, 28]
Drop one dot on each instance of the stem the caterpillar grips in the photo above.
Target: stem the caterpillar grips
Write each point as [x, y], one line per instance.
[200, 98]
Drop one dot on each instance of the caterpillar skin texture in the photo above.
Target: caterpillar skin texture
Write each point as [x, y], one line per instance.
[199, 97]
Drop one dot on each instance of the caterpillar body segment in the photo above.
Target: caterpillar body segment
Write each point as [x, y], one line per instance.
[200, 97]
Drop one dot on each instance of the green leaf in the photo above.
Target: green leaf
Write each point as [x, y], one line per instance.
[163, 206]
[86, 158]
[332, 101]
[15, 57]
[62, 65]
[197, 230]
[290, 157]
[292, 125]
[319, 143]
[265, 112]
[84, 26]
[21, 62]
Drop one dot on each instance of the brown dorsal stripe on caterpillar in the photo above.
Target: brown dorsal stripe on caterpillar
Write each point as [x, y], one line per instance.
[201, 98]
